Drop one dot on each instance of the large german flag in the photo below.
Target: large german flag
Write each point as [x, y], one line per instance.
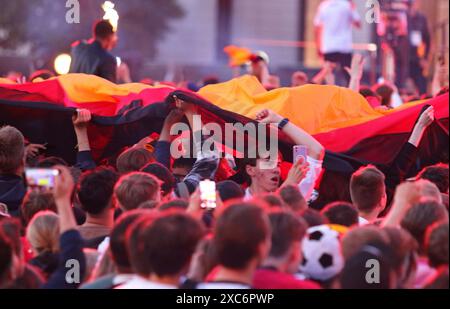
[353, 133]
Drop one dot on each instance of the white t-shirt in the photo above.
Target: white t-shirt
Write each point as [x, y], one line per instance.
[306, 186]
[139, 283]
[336, 18]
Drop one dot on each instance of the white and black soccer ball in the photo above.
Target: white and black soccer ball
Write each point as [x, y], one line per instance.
[322, 254]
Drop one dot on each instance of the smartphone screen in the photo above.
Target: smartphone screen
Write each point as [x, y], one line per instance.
[40, 177]
[208, 194]
[300, 151]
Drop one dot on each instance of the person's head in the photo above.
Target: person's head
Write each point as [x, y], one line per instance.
[272, 200]
[50, 162]
[105, 34]
[437, 174]
[167, 245]
[177, 204]
[6, 260]
[242, 236]
[436, 244]
[440, 281]
[299, 79]
[372, 98]
[368, 191]
[428, 191]
[420, 216]
[164, 175]
[264, 175]
[293, 198]
[341, 213]
[357, 274]
[313, 217]
[404, 255]
[136, 188]
[34, 202]
[95, 191]
[181, 168]
[229, 190]
[43, 232]
[356, 238]
[118, 244]
[288, 231]
[12, 151]
[133, 160]
[385, 92]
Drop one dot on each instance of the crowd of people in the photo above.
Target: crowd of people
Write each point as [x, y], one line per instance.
[139, 223]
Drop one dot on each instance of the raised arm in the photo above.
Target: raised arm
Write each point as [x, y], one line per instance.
[80, 124]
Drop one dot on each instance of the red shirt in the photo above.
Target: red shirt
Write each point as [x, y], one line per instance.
[275, 280]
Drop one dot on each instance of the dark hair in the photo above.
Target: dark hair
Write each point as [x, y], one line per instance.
[358, 237]
[385, 92]
[286, 229]
[436, 244]
[367, 188]
[174, 204]
[293, 198]
[367, 92]
[273, 200]
[183, 163]
[440, 280]
[420, 216]
[229, 190]
[162, 173]
[118, 244]
[210, 80]
[239, 231]
[133, 159]
[50, 162]
[355, 272]
[95, 190]
[12, 150]
[313, 217]
[103, 29]
[34, 202]
[437, 174]
[341, 213]
[6, 256]
[168, 243]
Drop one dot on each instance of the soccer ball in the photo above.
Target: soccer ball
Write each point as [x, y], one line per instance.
[322, 254]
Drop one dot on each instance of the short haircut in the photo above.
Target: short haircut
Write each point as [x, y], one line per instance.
[403, 247]
[95, 190]
[420, 216]
[341, 213]
[437, 174]
[358, 237]
[167, 244]
[12, 150]
[162, 173]
[43, 232]
[229, 190]
[174, 204]
[273, 200]
[103, 29]
[34, 202]
[117, 243]
[313, 217]
[385, 92]
[436, 244]
[239, 232]
[293, 198]
[136, 188]
[367, 188]
[286, 229]
[133, 160]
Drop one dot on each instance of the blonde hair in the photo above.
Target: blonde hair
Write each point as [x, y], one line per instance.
[43, 232]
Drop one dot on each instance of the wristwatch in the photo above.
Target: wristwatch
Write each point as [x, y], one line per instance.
[283, 123]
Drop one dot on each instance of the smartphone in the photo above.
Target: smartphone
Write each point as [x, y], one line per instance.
[300, 151]
[41, 177]
[208, 195]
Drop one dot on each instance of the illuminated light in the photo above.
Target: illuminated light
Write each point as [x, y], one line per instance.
[62, 64]
[373, 47]
[111, 14]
